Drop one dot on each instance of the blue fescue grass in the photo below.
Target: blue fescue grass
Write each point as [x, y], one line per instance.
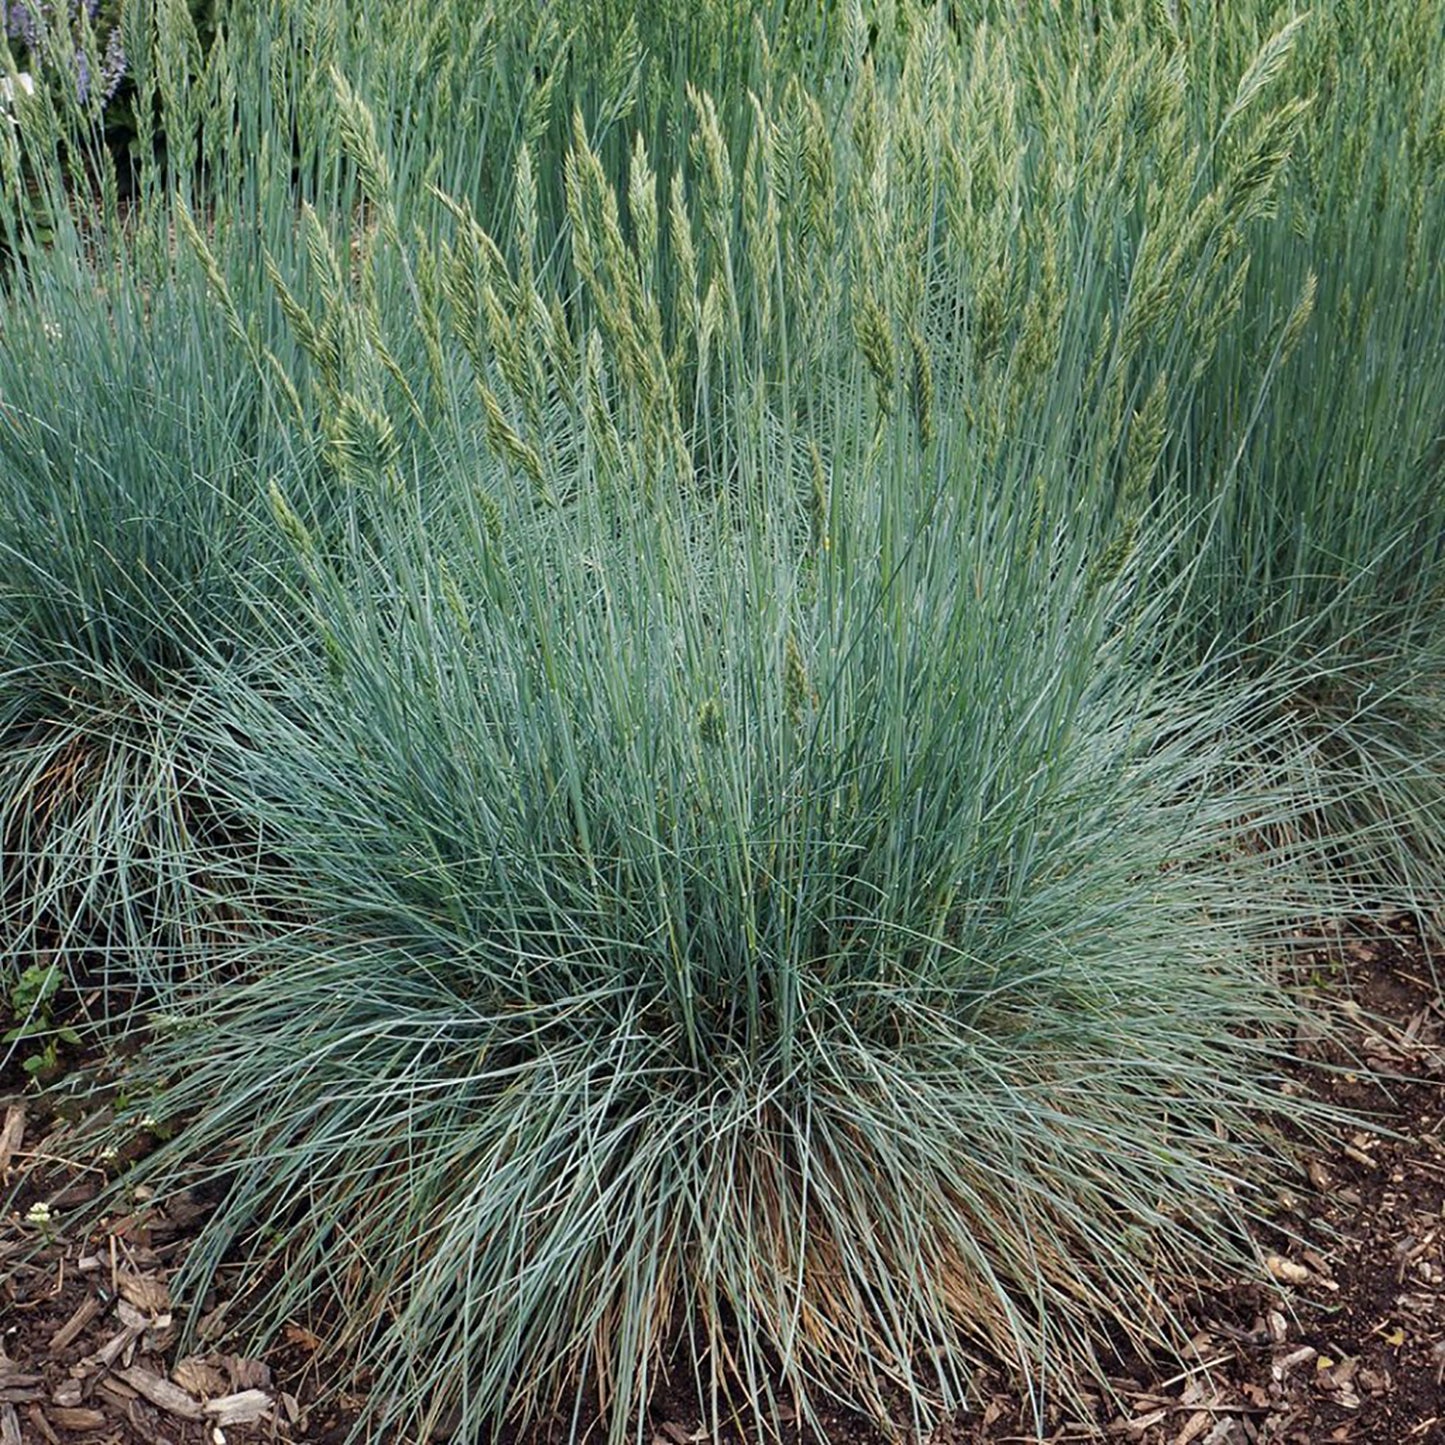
[854, 965]
[127, 526]
[698, 662]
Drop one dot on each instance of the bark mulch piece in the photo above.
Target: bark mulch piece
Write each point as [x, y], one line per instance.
[87, 1351]
[1348, 1348]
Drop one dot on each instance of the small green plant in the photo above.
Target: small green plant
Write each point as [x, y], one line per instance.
[42, 1221]
[31, 1000]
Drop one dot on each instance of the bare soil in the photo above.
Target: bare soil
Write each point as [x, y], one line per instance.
[1343, 1340]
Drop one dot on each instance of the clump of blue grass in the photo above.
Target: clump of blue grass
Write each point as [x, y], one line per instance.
[812, 972]
[130, 517]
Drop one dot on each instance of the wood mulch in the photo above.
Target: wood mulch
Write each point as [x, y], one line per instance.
[1347, 1344]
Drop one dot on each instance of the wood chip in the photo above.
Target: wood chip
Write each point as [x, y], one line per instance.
[78, 1419]
[1194, 1427]
[1286, 1270]
[299, 1335]
[246, 1374]
[9, 1426]
[184, 1209]
[244, 1408]
[68, 1394]
[116, 1346]
[199, 1378]
[73, 1194]
[69, 1332]
[1142, 1423]
[144, 1292]
[115, 1390]
[41, 1425]
[160, 1392]
[12, 1135]
[1302, 1356]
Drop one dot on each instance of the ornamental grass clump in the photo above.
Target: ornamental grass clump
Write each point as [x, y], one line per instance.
[133, 423]
[806, 972]
[136, 413]
[126, 525]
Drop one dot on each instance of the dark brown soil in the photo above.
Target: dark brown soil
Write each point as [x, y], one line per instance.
[1345, 1344]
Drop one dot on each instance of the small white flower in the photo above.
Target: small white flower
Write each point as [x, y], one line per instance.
[38, 1213]
[109, 1154]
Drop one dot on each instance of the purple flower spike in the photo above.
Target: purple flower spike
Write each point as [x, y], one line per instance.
[112, 65]
[19, 22]
[26, 21]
